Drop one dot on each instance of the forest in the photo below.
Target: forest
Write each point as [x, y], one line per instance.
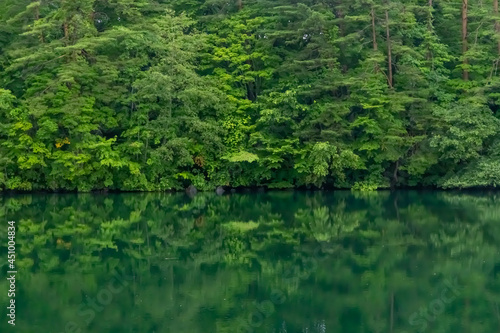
[158, 95]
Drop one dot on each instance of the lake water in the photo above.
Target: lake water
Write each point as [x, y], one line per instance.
[383, 262]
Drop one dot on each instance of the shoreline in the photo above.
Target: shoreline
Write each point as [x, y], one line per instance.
[247, 190]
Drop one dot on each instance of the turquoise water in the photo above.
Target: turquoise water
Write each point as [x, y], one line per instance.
[272, 262]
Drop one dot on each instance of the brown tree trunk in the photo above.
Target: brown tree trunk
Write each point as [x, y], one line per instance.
[429, 22]
[37, 17]
[65, 25]
[374, 34]
[389, 51]
[497, 24]
[395, 173]
[240, 4]
[464, 38]
[66, 30]
[429, 28]
[341, 16]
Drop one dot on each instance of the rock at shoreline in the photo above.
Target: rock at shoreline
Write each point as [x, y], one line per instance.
[219, 190]
[191, 190]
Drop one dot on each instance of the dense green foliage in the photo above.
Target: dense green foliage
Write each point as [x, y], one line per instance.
[157, 95]
[341, 261]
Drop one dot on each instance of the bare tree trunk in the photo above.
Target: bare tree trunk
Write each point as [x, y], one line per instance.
[65, 26]
[240, 4]
[374, 34]
[37, 17]
[464, 39]
[395, 174]
[341, 16]
[389, 51]
[429, 18]
[429, 28]
[66, 30]
[497, 24]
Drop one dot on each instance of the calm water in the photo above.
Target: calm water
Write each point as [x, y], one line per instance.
[270, 262]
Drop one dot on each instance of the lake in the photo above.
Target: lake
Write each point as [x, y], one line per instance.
[391, 262]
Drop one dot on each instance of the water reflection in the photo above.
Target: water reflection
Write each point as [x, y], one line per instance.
[266, 262]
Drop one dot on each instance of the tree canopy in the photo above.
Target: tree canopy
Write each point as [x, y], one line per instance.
[158, 95]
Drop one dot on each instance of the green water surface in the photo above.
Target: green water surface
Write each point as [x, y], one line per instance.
[275, 262]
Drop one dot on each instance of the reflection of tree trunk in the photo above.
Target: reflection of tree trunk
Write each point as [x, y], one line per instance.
[396, 207]
[147, 238]
[497, 313]
[392, 312]
[464, 39]
[172, 282]
[465, 323]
